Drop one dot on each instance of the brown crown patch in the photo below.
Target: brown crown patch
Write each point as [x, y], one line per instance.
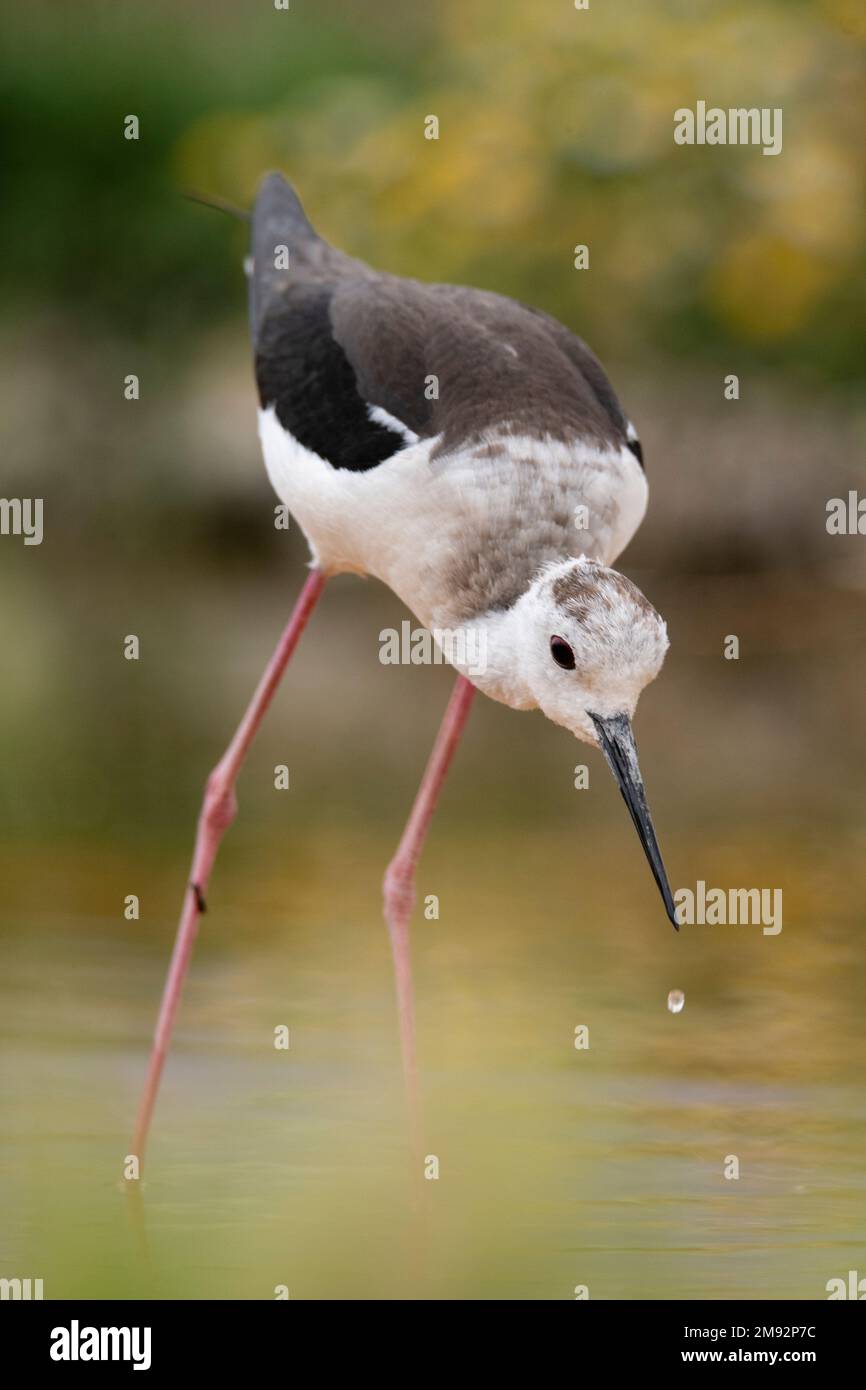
[588, 584]
[575, 590]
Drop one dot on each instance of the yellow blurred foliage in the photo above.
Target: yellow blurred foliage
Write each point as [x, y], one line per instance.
[765, 286]
[556, 127]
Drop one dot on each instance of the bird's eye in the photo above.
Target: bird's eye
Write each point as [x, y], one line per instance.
[562, 653]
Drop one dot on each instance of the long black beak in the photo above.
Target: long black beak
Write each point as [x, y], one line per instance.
[617, 744]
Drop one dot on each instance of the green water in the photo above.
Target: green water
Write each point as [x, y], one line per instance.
[557, 1167]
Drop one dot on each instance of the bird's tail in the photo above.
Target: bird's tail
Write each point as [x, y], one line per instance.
[281, 232]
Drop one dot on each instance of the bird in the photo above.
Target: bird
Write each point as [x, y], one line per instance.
[468, 451]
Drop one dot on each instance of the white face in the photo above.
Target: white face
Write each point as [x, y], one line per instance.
[589, 641]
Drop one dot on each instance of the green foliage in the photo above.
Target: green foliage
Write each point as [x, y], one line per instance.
[556, 128]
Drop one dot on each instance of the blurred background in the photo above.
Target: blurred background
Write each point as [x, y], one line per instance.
[558, 1167]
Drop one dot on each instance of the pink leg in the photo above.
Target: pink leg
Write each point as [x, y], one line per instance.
[217, 813]
[399, 887]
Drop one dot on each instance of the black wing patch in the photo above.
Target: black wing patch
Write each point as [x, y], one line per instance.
[302, 371]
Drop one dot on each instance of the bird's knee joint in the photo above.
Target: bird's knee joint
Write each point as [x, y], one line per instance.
[398, 877]
[220, 803]
[398, 891]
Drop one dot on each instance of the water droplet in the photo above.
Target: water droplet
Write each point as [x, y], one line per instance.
[676, 1000]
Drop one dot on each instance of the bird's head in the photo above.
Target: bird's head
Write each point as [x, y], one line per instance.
[590, 643]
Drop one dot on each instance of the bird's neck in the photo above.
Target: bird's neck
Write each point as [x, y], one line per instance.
[494, 641]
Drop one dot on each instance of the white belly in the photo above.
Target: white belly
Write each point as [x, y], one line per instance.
[408, 520]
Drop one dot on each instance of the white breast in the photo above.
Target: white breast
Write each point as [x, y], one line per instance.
[408, 520]
[384, 521]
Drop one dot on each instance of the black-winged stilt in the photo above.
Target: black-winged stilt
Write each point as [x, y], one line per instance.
[469, 452]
